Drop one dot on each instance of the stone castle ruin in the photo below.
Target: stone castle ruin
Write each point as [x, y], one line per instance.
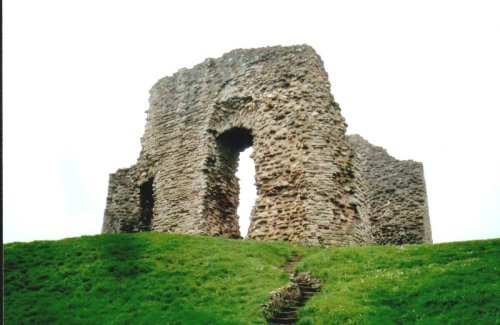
[315, 185]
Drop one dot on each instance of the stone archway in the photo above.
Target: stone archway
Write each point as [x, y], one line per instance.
[222, 197]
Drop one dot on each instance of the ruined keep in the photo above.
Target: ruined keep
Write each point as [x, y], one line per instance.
[315, 185]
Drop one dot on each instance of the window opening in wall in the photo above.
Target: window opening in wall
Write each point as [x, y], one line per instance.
[248, 191]
[147, 204]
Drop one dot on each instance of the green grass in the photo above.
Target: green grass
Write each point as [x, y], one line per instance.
[455, 283]
[155, 278]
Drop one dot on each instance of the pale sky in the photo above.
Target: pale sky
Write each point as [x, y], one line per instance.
[420, 78]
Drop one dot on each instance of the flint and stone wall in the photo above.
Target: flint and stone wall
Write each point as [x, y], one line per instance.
[315, 186]
[395, 197]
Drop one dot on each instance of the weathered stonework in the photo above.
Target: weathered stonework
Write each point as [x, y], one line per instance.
[394, 194]
[315, 186]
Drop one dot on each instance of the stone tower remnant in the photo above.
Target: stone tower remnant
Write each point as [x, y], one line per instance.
[315, 185]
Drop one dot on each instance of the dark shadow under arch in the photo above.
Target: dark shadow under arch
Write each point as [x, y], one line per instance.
[237, 139]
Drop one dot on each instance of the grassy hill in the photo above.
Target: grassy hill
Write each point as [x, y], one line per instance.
[155, 278]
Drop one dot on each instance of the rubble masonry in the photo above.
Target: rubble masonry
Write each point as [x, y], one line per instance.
[315, 185]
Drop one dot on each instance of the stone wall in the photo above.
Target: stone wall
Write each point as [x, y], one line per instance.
[395, 195]
[312, 188]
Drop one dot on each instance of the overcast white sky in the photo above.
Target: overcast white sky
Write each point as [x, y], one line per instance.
[420, 78]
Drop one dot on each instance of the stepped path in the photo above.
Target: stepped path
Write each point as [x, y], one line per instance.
[301, 288]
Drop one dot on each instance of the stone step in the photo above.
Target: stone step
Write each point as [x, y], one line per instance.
[289, 309]
[289, 315]
[306, 284]
[277, 320]
[286, 314]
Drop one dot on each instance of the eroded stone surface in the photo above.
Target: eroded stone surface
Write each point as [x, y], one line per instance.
[394, 192]
[314, 186]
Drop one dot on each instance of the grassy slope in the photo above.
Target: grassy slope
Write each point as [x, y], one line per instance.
[153, 278]
[140, 279]
[457, 283]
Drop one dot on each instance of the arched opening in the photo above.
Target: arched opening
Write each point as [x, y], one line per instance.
[248, 191]
[229, 194]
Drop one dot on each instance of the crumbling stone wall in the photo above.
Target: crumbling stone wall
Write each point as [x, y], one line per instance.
[395, 195]
[311, 185]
